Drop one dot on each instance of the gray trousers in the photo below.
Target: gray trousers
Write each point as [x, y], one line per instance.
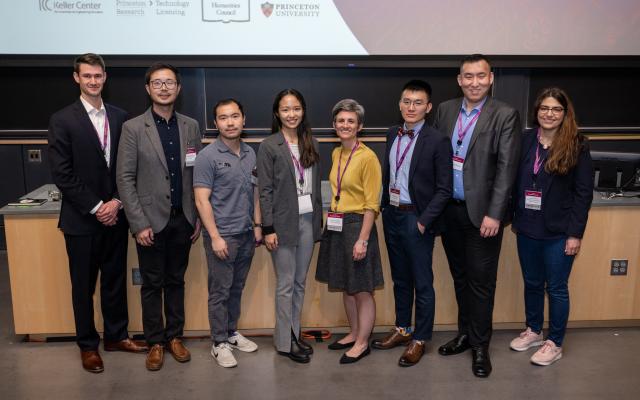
[291, 264]
[226, 281]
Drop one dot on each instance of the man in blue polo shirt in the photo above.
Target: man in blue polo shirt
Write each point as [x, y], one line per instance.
[225, 189]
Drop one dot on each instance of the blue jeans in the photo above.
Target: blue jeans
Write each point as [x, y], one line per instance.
[545, 266]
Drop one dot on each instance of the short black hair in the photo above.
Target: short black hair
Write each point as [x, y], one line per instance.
[225, 102]
[472, 58]
[418, 85]
[88, 58]
[158, 66]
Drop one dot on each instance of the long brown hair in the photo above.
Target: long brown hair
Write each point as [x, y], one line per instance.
[567, 143]
[308, 153]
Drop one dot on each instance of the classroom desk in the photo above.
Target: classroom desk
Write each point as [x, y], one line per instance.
[41, 292]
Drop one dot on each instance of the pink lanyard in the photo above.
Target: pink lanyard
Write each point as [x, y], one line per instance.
[340, 176]
[400, 159]
[105, 136]
[539, 160]
[298, 166]
[463, 132]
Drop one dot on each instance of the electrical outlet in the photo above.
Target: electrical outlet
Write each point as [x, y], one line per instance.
[619, 267]
[136, 278]
[34, 155]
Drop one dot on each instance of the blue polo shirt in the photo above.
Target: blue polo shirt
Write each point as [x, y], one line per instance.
[229, 178]
[461, 151]
[170, 139]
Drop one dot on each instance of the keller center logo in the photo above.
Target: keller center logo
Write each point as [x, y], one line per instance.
[267, 9]
[44, 5]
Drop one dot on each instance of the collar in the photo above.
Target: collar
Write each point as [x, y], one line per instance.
[223, 148]
[416, 129]
[478, 106]
[157, 118]
[91, 109]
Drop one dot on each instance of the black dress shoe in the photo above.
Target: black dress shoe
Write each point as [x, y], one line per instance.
[456, 345]
[305, 347]
[345, 359]
[340, 346]
[296, 353]
[480, 363]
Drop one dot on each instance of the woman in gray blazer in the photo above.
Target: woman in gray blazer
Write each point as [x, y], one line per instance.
[291, 206]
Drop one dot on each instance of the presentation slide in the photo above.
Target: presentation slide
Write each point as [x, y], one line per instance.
[320, 27]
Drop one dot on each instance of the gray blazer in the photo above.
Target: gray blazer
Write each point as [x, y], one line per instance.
[278, 193]
[492, 158]
[142, 174]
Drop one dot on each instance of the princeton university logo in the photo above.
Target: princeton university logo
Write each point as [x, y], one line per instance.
[267, 9]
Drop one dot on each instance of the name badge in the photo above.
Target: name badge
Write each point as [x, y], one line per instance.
[190, 157]
[458, 163]
[532, 200]
[394, 197]
[334, 221]
[304, 204]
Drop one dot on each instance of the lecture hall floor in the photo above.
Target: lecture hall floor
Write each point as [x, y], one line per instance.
[599, 363]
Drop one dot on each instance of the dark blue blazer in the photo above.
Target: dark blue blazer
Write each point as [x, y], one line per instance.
[430, 174]
[566, 203]
[78, 166]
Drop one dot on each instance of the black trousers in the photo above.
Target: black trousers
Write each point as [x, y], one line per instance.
[473, 262]
[162, 267]
[105, 251]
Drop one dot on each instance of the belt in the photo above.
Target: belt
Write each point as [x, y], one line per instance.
[175, 211]
[405, 207]
[458, 202]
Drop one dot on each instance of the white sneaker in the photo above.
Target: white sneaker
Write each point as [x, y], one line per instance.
[223, 355]
[548, 354]
[237, 341]
[526, 340]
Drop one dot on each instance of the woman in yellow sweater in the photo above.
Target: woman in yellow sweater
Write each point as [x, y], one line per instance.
[349, 258]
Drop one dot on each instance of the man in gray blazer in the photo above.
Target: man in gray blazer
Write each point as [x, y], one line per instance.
[156, 156]
[485, 137]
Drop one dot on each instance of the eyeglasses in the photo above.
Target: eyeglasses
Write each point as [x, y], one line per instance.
[416, 103]
[169, 83]
[554, 110]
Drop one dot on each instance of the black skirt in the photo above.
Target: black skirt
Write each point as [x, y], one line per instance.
[336, 266]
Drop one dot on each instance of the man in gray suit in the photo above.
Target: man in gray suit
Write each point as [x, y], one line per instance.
[155, 179]
[485, 137]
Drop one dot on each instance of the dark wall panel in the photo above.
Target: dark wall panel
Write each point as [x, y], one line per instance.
[378, 90]
[603, 97]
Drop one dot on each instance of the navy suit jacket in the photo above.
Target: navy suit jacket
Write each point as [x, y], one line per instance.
[430, 174]
[78, 166]
[566, 203]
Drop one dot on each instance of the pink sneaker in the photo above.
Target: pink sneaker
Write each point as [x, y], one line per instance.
[547, 354]
[526, 340]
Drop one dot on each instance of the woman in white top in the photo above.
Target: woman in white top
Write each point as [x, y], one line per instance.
[291, 206]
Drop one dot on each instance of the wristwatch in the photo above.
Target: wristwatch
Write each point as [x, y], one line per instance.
[365, 243]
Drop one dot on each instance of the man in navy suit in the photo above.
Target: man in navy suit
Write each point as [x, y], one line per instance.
[83, 143]
[417, 178]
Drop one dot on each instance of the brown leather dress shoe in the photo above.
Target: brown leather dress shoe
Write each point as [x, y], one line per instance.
[155, 358]
[393, 339]
[178, 351]
[412, 354]
[91, 361]
[127, 344]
